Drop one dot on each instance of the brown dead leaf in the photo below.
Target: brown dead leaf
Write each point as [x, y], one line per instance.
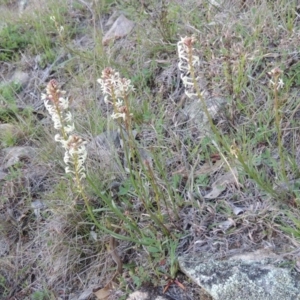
[208, 168]
[220, 184]
[215, 192]
[226, 224]
[103, 293]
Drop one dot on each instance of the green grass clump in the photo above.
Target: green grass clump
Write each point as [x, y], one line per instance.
[14, 39]
[8, 93]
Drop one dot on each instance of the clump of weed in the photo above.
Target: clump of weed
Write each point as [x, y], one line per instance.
[165, 20]
[8, 93]
[14, 39]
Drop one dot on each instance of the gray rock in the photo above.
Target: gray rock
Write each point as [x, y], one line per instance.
[22, 5]
[121, 27]
[252, 276]
[14, 155]
[139, 295]
[20, 78]
[196, 113]
[2, 175]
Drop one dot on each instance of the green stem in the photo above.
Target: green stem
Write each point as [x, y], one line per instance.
[134, 149]
[278, 127]
[220, 139]
[154, 185]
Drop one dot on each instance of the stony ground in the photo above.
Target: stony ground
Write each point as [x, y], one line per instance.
[232, 193]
